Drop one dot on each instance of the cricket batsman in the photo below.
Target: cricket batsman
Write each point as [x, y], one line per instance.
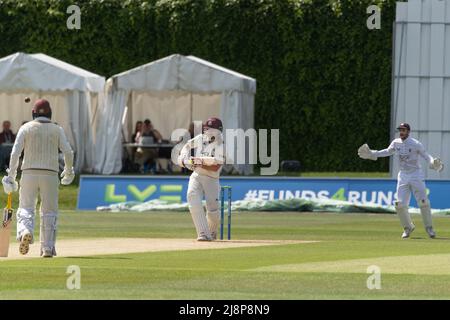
[410, 177]
[40, 140]
[204, 181]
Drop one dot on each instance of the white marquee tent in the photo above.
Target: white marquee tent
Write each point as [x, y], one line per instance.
[73, 93]
[172, 92]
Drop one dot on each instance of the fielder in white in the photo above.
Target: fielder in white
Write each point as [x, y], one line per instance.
[410, 177]
[40, 140]
[204, 181]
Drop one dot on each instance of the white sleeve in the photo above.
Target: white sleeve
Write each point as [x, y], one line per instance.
[424, 153]
[185, 152]
[211, 161]
[389, 151]
[16, 152]
[64, 146]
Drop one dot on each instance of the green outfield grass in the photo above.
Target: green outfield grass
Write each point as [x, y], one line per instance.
[333, 268]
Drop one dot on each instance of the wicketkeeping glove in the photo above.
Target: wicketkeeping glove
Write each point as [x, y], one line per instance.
[364, 152]
[437, 165]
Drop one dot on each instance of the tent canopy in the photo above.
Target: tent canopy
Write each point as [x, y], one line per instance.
[173, 92]
[178, 72]
[34, 72]
[73, 93]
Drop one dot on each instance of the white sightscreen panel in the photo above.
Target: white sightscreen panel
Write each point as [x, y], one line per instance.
[447, 11]
[400, 114]
[166, 110]
[423, 105]
[401, 10]
[446, 70]
[435, 106]
[434, 147]
[437, 11]
[205, 106]
[426, 10]
[421, 64]
[437, 47]
[425, 40]
[412, 102]
[400, 47]
[414, 10]
[412, 49]
[445, 156]
[446, 107]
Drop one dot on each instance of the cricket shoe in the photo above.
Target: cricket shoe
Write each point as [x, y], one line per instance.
[25, 241]
[430, 232]
[407, 232]
[213, 236]
[204, 238]
[48, 253]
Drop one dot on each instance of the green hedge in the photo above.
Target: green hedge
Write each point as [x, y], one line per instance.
[323, 78]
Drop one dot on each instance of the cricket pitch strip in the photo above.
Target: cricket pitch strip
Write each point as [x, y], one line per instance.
[109, 246]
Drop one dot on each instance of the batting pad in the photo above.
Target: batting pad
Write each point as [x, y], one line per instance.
[5, 233]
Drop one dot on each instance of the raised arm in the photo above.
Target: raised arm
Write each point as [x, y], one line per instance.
[389, 151]
[365, 152]
[184, 158]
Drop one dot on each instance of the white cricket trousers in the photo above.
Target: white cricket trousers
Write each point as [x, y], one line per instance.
[414, 182]
[408, 182]
[34, 183]
[203, 186]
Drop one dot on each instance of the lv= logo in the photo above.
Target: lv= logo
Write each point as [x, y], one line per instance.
[136, 194]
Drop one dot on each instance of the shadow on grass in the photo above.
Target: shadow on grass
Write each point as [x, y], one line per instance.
[427, 238]
[99, 258]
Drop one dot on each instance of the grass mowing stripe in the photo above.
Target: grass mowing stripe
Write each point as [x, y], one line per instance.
[229, 273]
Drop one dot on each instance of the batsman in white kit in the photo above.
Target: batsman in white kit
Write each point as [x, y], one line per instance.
[410, 177]
[40, 140]
[204, 181]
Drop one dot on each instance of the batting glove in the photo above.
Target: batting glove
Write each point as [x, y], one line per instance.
[67, 176]
[9, 184]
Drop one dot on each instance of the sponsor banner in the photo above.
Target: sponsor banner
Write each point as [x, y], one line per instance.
[105, 190]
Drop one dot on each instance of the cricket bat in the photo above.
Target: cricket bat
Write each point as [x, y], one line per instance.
[5, 227]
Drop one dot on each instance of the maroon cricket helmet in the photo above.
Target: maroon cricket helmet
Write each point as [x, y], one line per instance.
[214, 123]
[41, 108]
[404, 125]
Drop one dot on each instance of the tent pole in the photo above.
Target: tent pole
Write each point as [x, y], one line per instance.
[191, 108]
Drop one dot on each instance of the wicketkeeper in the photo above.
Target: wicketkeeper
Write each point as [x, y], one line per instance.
[204, 181]
[40, 140]
[410, 177]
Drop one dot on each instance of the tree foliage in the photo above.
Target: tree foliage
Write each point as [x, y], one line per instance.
[323, 78]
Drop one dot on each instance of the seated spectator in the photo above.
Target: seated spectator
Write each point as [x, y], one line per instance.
[144, 155]
[148, 131]
[7, 136]
[137, 129]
